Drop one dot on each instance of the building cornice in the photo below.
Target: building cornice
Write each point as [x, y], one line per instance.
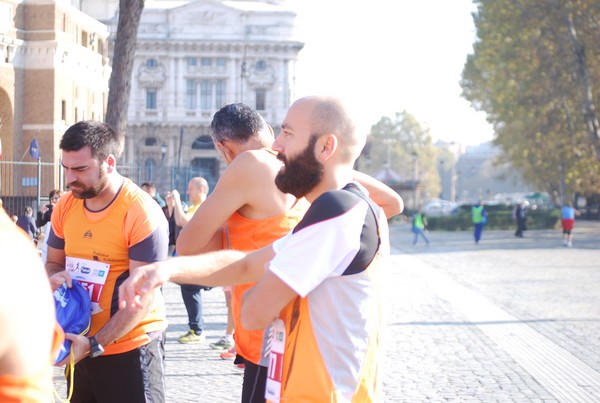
[219, 47]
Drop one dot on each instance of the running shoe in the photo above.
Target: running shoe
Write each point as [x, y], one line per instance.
[192, 337]
[223, 344]
[229, 354]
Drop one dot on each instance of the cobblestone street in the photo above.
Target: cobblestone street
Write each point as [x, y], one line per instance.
[508, 320]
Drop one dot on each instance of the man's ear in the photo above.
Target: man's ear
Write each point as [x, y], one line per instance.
[227, 152]
[111, 162]
[327, 146]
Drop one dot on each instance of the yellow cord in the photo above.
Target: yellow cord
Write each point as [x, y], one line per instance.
[69, 373]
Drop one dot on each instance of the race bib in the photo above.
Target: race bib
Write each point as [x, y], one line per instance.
[276, 346]
[92, 276]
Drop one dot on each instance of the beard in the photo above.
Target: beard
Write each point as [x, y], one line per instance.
[302, 173]
[89, 192]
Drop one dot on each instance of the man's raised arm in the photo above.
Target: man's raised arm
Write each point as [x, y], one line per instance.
[220, 268]
[383, 195]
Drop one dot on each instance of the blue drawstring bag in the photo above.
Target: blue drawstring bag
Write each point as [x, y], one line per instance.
[73, 313]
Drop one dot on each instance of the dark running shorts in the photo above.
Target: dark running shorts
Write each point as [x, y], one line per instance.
[131, 377]
[255, 381]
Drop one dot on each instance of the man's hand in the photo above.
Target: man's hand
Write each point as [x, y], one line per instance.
[141, 283]
[56, 280]
[176, 196]
[80, 346]
[169, 199]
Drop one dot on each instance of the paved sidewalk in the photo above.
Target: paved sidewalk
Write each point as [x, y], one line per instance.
[508, 320]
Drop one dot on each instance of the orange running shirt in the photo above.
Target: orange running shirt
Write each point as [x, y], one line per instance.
[245, 234]
[133, 227]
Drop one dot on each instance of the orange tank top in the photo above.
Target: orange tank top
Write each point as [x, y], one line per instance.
[245, 234]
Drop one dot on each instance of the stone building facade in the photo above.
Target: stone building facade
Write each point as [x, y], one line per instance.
[54, 71]
[193, 57]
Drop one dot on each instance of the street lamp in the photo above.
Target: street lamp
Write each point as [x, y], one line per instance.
[388, 142]
[416, 178]
[442, 179]
[163, 154]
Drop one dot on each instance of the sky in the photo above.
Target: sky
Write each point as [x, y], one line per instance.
[387, 56]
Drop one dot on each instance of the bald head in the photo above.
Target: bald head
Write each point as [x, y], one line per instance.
[197, 189]
[329, 115]
[199, 183]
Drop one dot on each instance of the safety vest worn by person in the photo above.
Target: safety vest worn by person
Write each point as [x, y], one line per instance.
[477, 214]
[245, 234]
[418, 221]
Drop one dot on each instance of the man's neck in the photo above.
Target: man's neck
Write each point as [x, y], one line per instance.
[332, 181]
[107, 195]
[255, 143]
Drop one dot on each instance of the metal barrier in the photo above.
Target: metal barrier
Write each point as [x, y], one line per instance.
[29, 183]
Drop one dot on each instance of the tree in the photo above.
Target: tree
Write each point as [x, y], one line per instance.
[532, 72]
[119, 88]
[403, 145]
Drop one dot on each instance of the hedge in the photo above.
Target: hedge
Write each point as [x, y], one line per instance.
[498, 218]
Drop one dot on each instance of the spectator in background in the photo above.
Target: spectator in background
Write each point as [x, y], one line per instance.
[44, 224]
[43, 216]
[567, 221]
[520, 217]
[27, 223]
[150, 188]
[419, 226]
[479, 219]
[192, 294]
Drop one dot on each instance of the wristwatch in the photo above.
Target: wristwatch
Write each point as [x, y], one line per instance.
[96, 348]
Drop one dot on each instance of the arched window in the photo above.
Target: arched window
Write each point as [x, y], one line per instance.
[261, 65]
[151, 63]
[205, 167]
[150, 141]
[203, 143]
[150, 170]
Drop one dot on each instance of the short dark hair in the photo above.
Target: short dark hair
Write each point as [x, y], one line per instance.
[236, 122]
[101, 138]
[54, 192]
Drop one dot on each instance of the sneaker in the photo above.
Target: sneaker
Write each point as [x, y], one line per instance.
[192, 337]
[570, 244]
[228, 355]
[240, 366]
[223, 344]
